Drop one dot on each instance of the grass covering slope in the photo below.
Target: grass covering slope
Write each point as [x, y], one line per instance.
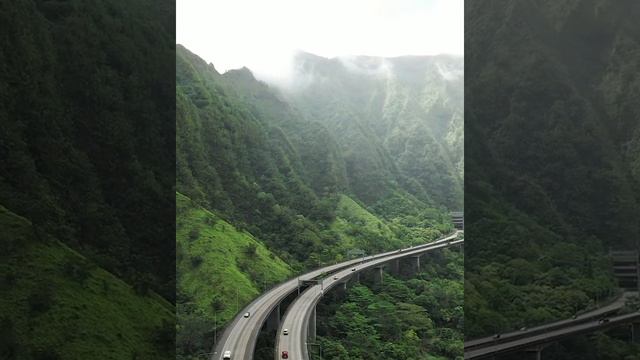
[357, 228]
[56, 304]
[215, 264]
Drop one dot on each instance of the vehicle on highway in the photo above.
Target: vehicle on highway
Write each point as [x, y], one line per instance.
[524, 328]
[354, 269]
[227, 355]
[285, 332]
[247, 314]
[496, 336]
[603, 321]
[335, 278]
[285, 354]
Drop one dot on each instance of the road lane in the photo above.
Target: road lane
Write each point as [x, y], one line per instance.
[554, 335]
[614, 306]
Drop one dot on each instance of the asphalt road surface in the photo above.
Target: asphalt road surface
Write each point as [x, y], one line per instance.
[553, 335]
[612, 307]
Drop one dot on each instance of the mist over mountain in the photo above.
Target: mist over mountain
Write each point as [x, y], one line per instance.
[407, 110]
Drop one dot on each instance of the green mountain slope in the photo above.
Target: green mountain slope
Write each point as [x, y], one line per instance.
[550, 113]
[398, 121]
[232, 162]
[57, 304]
[360, 229]
[262, 164]
[265, 192]
[87, 141]
[218, 268]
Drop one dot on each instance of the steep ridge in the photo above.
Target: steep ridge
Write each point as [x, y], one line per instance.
[408, 111]
[239, 154]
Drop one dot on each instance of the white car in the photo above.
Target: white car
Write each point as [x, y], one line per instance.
[227, 355]
[247, 314]
[335, 278]
[285, 332]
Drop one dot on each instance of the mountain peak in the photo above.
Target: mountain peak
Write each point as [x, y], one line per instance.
[240, 74]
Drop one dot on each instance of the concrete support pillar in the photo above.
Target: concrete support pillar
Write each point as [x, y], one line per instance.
[358, 277]
[273, 321]
[341, 290]
[635, 333]
[536, 351]
[394, 267]
[312, 325]
[378, 275]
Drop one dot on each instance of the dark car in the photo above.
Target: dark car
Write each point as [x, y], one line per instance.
[285, 354]
[603, 321]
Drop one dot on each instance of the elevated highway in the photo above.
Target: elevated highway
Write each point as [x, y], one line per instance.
[241, 335]
[534, 339]
[299, 319]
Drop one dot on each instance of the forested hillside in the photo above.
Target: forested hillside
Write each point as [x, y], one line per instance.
[242, 153]
[86, 179]
[418, 317]
[398, 121]
[86, 113]
[252, 159]
[551, 111]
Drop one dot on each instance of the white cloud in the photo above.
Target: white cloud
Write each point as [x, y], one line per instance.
[263, 35]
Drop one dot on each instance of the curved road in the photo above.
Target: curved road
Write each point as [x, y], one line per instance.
[241, 334]
[296, 319]
[547, 337]
[512, 340]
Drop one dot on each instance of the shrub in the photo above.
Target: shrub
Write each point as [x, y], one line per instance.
[41, 299]
[193, 234]
[196, 261]
[78, 271]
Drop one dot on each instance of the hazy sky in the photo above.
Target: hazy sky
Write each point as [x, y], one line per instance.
[263, 34]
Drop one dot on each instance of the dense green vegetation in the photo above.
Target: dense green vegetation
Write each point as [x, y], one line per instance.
[218, 268]
[550, 112]
[405, 317]
[254, 171]
[58, 304]
[86, 149]
[86, 111]
[398, 121]
[235, 159]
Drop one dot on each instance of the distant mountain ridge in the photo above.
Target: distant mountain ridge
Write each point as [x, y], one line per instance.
[407, 109]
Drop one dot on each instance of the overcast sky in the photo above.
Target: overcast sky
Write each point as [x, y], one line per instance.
[263, 34]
